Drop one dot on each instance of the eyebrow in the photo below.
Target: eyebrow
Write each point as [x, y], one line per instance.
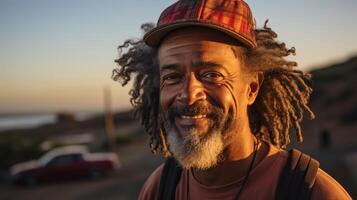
[210, 64]
[169, 66]
[196, 64]
[206, 64]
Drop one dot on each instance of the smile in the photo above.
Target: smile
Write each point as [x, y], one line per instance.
[192, 117]
[191, 121]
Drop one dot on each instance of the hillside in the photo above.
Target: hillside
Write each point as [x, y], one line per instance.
[334, 102]
[331, 137]
[335, 93]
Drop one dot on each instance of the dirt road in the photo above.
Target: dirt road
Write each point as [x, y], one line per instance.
[124, 184]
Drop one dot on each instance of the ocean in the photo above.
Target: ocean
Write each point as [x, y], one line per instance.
[16, 121]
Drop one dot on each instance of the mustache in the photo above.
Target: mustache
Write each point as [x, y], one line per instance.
[198, 108]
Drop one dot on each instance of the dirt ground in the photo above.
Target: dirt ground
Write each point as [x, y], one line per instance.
[124, 184]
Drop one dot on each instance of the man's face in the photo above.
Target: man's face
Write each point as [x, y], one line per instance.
[204, 94]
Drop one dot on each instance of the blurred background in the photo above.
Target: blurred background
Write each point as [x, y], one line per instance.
[56, 61]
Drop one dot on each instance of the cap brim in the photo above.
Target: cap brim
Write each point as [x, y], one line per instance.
[154, 37]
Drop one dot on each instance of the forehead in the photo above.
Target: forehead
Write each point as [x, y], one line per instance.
[197, 43]
[200, 33]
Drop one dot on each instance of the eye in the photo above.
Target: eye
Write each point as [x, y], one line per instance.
[171, 78]
[212, 76]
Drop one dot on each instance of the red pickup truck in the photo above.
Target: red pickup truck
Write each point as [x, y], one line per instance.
[65, 163]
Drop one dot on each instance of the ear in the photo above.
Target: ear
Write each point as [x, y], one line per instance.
[254, 86]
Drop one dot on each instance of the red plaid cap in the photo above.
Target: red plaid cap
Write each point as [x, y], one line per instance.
[232, 17]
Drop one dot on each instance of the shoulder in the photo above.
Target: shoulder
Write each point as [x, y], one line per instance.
[150, 189]
[326, 187]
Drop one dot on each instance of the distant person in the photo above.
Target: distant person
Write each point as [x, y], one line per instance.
[325, 139]
[218, 99]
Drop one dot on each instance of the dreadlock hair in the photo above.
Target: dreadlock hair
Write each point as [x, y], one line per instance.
[277, 110]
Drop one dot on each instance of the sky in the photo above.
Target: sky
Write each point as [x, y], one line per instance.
[58, 55]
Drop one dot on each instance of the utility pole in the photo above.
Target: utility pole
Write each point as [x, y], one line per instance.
[108, 117]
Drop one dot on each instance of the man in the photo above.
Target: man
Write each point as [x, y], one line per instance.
[219, 97]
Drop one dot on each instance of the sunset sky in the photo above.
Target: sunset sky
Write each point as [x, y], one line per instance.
[58, 55]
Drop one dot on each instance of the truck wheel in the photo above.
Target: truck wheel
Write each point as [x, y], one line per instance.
[95, 174]
[31, 181]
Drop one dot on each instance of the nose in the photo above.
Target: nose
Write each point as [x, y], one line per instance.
[192, 90]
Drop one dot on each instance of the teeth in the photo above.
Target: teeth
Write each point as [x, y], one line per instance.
[192, 117]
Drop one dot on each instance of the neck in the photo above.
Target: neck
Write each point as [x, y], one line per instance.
[237, 158]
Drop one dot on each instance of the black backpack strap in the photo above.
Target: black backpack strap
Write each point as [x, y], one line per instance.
[298, 177]
[170, 176]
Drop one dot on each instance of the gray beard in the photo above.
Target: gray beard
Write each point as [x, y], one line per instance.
[195, 151]
[200, 150]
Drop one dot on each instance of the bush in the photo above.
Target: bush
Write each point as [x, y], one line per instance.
[123, 139]
[14, 149]
[350, 116]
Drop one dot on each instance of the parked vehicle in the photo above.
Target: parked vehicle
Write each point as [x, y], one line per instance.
[62, 163]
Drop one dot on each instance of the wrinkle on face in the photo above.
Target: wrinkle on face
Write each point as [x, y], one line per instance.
[206, 50]
[188, 55]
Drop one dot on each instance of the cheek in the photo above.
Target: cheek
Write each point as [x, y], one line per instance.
[228, 97]
[167, 97]
[223, 96]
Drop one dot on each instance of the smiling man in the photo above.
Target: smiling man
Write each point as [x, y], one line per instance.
[205, 98]
[219, 100]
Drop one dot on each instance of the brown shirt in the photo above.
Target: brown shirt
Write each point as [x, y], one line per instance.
[262, 183]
